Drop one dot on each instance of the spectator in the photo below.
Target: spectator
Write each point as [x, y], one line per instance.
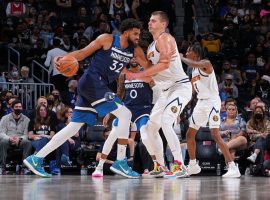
[227, 69]
[119, 7]
[250, 73]
[16, 9]
[249, 110]
[37, 53]
[69, 96]
[66, 11]
[72, 144]
[57, 79]
[67, 45]
[41, 129]
[211, 42]
[228, 88]
[13, 133]
[232, 130]
[262, 89]
[103, 27]
[258, 127]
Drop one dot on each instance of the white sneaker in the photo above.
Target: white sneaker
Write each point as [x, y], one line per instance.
[193, 169]
[233, 172]
[98, 172]
[252, 158]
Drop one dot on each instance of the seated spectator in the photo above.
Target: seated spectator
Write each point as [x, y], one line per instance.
[8, 109]
[16, 8]
[26, 91]
[228, 88]
[58, 104]
[41, 129]
[250, 73]
[72, 144]
[13, 133]
[232, 130]
[227, 69]
[69, 96]
[262, 89]
[258, 127]
[250, 108]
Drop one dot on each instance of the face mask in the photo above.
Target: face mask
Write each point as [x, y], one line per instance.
[56, 96]
[15, 74]
[17, 111]
[50, 101]
[42, 113]
[258, 116]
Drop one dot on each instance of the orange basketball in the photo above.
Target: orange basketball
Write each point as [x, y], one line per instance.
[68, 66]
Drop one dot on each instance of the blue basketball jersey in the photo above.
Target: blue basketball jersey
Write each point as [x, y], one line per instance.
[138, 98]
[108, 64]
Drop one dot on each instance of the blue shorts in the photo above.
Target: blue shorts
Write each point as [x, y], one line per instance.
[94, 93]
[138, 112]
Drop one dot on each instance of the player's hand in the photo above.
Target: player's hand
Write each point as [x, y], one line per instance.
[57, 61]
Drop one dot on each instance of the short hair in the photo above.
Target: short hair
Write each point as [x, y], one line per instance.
[129, 24]
[24, 69]
[163, 16]
[16, 101]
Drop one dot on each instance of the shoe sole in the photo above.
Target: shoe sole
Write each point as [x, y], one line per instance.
[97, 175]
[30, 167]
[196, 172]
[235, 176]
[153, 176]
[121, 173]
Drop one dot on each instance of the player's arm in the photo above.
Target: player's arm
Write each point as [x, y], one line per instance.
[141, 59]
[165, 47]
[92, 47]
[204, 65]
[121, 86]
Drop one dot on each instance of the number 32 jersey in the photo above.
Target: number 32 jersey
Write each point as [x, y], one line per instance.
[108, 64]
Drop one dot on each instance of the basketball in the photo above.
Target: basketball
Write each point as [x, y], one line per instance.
[68, 66]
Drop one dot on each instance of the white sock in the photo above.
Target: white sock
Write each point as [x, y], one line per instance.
[58, 139]
[107, 147]
[231, 164]
[121, 151]
[101, 163]
[193, 162]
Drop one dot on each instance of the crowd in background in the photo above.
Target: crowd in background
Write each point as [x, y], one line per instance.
[238, 47]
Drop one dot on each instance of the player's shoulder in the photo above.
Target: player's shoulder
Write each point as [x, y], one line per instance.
[166, 37]
[106, 37]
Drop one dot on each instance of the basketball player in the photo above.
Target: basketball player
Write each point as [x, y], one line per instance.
[176, 91]
[111, 53]
[207, 109]
[137, 96]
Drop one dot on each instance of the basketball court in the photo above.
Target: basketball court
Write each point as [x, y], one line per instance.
[115, 187]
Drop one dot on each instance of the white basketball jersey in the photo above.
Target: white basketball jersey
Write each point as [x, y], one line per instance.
[168, 77]
[204, 84]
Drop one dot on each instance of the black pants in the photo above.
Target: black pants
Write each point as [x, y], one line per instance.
[59, 82]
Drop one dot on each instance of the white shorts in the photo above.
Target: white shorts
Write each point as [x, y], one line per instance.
[206, 112]
[171, 102]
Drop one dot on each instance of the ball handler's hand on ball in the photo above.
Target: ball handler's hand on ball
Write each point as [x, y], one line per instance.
[66, 65]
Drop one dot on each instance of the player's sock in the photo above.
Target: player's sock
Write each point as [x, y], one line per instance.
[101, 163]
[71, 129]
[121, 151]
[109, 142]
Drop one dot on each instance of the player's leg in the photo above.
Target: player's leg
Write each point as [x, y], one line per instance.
[176, 102]
[214, 123]
[199, 118]
[79, 117]
[112, 104]
[150, 135]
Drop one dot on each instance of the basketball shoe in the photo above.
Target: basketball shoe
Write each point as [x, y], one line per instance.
[178, 170]
[121, 167]
[35, 164]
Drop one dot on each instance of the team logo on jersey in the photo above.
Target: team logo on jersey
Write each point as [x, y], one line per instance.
[150, 55]
[109, 96]
[215, 118]
[174, 109]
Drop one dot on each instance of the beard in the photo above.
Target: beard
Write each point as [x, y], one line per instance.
[130, 43]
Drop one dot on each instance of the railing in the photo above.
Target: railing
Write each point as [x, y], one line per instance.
[28, 93]
[13, 52]
[40, 73]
